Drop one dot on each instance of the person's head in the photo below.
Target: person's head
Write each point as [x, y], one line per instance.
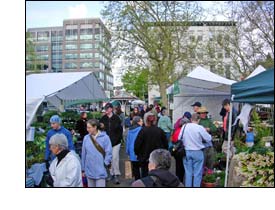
[93, 126]
[145, 107]
[159, 159]
[196, 106]
[83, 115]
[136, 111]
[151, 119]
[195, 118]
[118, 110]
[226, 104]
[55, 121]
[137, 120]
[108, 108]
[151, 106]
[163, 111]
[202, 112]
[58, 142]
[187, 115]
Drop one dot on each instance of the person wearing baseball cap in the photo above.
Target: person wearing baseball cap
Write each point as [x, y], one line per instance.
[114, 130]
[209, 152]
[196, 106]
[56, 121]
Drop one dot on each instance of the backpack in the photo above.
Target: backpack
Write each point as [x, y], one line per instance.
[151, 181]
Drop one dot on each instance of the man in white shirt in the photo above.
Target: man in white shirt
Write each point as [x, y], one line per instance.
[193, 136]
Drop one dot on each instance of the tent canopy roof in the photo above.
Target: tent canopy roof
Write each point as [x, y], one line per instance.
[257, 71]
[257, 89]
[59, 87]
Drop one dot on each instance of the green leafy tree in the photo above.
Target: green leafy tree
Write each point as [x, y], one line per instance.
[153, 34]
[136, 81]
[31, 57]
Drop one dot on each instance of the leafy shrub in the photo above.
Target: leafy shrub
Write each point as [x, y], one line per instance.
[258, 170]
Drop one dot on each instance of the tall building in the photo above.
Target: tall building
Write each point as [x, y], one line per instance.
[78, 45]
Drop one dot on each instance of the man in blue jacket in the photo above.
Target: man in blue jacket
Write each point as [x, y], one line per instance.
[55, 121]
[131, 138]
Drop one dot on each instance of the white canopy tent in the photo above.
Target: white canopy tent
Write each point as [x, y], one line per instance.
[56, 88]
[258, 70]
[204, 86]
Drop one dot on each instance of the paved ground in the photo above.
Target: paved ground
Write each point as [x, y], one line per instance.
[127, 182]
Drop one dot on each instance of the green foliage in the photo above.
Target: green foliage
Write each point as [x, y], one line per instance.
[35, 150]
[257, 169]
[209, 178]
[136, 80]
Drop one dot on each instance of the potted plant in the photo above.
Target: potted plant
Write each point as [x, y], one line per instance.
[209, 180]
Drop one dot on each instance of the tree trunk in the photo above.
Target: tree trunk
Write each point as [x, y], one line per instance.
[162, 88]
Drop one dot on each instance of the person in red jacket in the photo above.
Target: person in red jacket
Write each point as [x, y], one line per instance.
[179, 163]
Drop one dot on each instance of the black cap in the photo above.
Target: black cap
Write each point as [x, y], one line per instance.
[108, 105]
[196, 104]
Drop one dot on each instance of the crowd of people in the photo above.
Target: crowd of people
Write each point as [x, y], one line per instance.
[149, 138]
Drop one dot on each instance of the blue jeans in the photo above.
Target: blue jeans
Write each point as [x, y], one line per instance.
[193, 165]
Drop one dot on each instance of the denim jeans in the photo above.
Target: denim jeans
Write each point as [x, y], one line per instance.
[193, 165]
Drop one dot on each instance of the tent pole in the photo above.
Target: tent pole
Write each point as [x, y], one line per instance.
[228, 142]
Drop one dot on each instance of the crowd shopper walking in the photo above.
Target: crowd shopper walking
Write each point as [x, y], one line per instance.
[149, 141]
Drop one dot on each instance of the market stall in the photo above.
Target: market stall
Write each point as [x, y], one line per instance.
[255, 90]
[204, 86]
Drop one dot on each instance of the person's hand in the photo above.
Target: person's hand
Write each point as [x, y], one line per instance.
[207, 129]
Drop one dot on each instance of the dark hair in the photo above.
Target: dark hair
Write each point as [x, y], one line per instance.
[82, 114]
[150, 120]
[96, 123]
[225, 102]
[118, 110]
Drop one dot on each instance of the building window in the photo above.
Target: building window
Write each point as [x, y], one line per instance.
[71, 56]
[96, 45]
[57, 47]
[192, 38]
[101, 83]
[212, 68]
[86, 55]
[96, 55]
[70, 47]
[86, 33]
[97, 36]
[199, 38]
[220, 55]
[86, 46]
[56, 66]
[57, 56]
[42, 57]
[70, 65]
[85, 65]
[71, 35]
[41, 48]
[101, 75]
[227, 71]
[96, 65]
[43, 36]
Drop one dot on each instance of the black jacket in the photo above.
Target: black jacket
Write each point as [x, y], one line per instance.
[161, 178]
[81, 128]
[149, 139]
[113, 128]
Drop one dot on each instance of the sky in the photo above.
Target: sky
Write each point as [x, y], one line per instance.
[52, 13]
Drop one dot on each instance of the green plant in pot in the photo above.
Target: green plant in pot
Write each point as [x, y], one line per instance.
[209, 180]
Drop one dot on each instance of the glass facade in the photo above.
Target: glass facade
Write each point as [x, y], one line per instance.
[42, 57]
[43, 36]
[57, 56]
[86, 33]
[41, 48]
[86, 46]
[86, 65]
[71, 56]
[86, 55]
[70, 47]
[70, 66]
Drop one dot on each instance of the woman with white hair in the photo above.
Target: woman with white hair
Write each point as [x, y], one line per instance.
[65, 169]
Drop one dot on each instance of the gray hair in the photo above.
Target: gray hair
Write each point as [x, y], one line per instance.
[161, 158]
[195, 117]
[59, 140]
